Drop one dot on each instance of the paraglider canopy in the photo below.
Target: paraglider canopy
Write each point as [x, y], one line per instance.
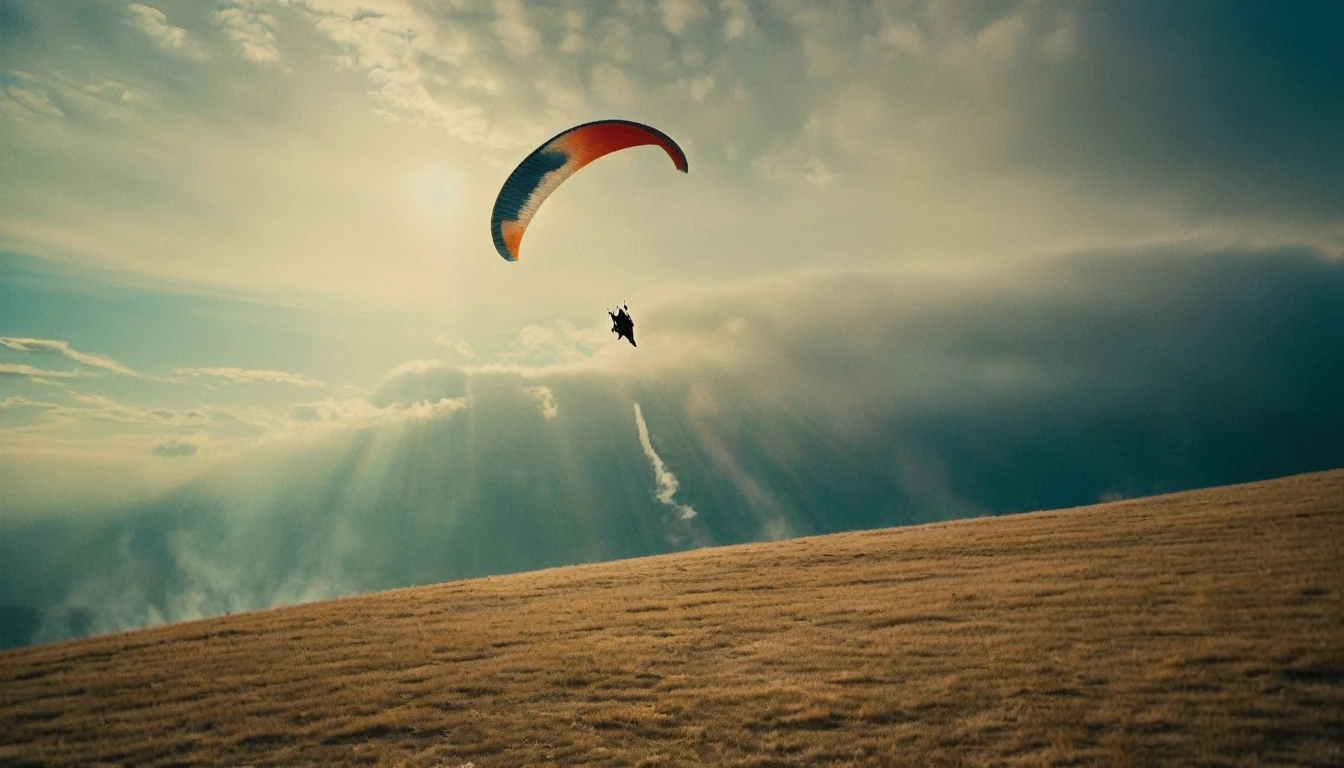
[538, 175]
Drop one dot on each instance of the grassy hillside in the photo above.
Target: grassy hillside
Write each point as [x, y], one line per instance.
[1203, 628]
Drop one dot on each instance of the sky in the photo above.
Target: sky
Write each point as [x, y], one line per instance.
[932, 260]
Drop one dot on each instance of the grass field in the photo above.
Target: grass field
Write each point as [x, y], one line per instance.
[1203, 628]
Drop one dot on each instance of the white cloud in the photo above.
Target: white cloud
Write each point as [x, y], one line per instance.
[614, 40]
[323, 416]
[103, 408]
[400, 50]
[482, 80]
[545, 400]
[573, 22]
[460, 346]
[19, 401]
[738, 18]
[611, 84]
[826, 46]
[252, 28]
[416, 368]
[28, 371]
[697, 87]
[20, 88]
[818, 172]
[244, 375]
[63, 348]
[154, 23]
[678, 14]
[512, 28]
[902, 36]
[562, 342]
[103, 98]
[665, 484]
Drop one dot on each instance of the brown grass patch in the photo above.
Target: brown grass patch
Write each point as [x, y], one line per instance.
[1196, 629]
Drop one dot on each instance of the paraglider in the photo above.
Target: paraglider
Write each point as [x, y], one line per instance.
[548, 166]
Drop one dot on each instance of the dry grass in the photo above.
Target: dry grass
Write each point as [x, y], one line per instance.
[1198, 629]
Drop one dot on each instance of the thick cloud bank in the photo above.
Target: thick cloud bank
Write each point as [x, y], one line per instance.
[818, 403]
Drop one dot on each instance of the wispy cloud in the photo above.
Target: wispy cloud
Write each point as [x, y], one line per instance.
[21, 88]
[459, 346]
[19, 370]
[665, 484]
[513, 29]
[562, 342]
[678, 14]
[175, 449]
[252, 28]
[818, 172]
[63, 348]
[103, 408]
[19, 401]
[154, 22]
[612, 84]
[697, 87]
[246, 375]
[400, 49]
[573, 23]
[738, 21]
[307, 420]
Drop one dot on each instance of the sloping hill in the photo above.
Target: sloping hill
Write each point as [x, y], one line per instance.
[1203, 628]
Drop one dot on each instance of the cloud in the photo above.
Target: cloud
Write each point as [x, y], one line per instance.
[404, 53]
[665, 484]
[559, 343]
[818, 172]
[103, 408]
[20, 370]
[418, 381]
[252, 29]
[545, 400]
[615, 39]
[678, 14]
[512, 26]
[154, 22]
[19, 401]
[737, 22]
[175, 448]
[573, 20]
[244, 375]
[63, 348]
[697, 87]
[460, 346]
[903, 36]
[612, 84]
[324, 417]
[21, 88]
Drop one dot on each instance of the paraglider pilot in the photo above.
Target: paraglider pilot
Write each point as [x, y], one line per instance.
[622, 324]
